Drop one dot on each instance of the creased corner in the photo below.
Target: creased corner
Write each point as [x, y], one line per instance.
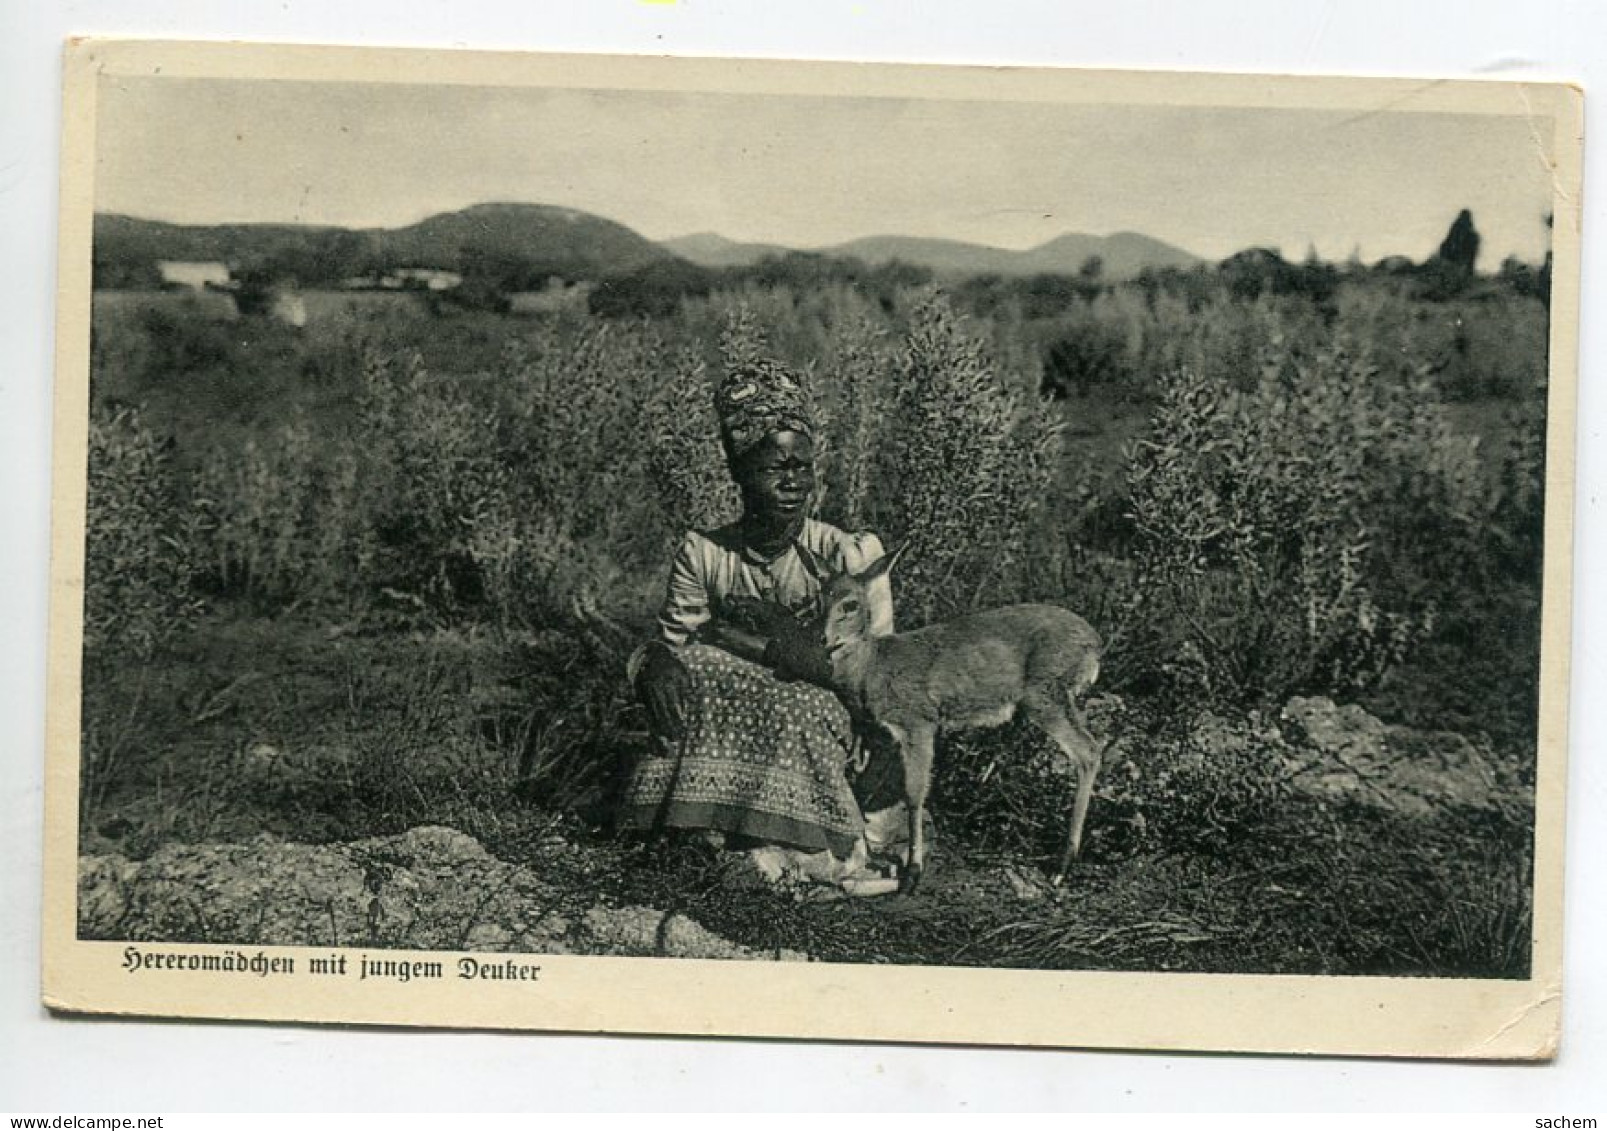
[58, 1004]
[1543, 1009]
[1543, 151]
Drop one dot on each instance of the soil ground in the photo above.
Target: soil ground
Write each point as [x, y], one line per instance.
[1350, 846]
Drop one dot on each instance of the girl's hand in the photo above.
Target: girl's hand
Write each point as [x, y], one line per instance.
[737, 640]
[797, 651]
[663, 684]
[754, 615]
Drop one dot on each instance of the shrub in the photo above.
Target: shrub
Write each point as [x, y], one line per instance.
[963, 465]
[576, 517]
[1261, 514]
[437, 477]
[284, 518]
[183, 339]
[1087, 354]
[140, 543]
[856, 399]
[139, 552]
[1190, 779]
[687, 462]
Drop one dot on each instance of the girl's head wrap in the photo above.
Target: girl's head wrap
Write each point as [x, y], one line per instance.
[756, 398]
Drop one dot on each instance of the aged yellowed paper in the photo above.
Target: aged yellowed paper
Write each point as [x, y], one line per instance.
[384, 410]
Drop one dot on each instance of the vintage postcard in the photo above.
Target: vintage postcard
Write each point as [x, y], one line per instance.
[835, 551]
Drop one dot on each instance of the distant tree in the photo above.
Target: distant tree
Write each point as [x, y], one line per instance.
[1448, 273]
[1087, 354]
[1048, 295]
[1257, 271]
[982, 295]
[256, 281]
[896, 275]
[653, 291]
[122, 272]
[1544, 280]
[801, 270]
[1316, 278]
[1518, 275]
[1196, 285]
[491, 275]
[1394, 267]
[337, 254]
[1459, 250]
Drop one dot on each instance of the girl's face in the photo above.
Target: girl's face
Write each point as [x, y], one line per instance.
[777, 477]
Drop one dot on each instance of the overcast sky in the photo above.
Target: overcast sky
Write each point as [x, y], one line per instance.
[808, 172]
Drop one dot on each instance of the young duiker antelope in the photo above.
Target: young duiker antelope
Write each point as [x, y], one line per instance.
[972, 671]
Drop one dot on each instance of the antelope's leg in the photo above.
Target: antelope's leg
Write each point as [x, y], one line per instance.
[1079, 813]
[1067, 729]
[915, 752]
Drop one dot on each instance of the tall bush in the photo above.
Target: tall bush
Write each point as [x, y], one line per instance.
[1272, 520]
[140, 542]
[285, 517]
[857, 394]
[687, 463]
[437, 476]
[576, 516]
[138, 567]
[965, 461]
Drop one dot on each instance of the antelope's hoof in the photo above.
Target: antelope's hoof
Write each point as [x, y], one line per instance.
[909, 880]
[1058, 879]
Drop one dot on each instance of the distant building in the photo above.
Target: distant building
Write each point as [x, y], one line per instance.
[405, 279]
[430, 278]
[192, 274]
[288, 307]
[555, 298]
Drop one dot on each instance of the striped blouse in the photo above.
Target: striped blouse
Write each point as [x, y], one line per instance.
[714, 566]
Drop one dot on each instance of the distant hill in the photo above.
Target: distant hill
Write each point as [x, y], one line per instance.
[576, 244]
[128, 239]
[946, 256]
[559, 241]
[532, 241]
[709, 250]
[1124, 254]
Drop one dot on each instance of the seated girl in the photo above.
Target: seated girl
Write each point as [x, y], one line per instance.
[750, 744]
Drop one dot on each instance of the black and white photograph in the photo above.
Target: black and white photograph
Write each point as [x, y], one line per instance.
[870, 526]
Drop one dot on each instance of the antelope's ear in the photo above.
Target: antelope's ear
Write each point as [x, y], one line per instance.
[882, 565]
[812, 563]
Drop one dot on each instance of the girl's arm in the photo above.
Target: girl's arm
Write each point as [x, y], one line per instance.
[687, 603]
[737, 641]
[687, 614]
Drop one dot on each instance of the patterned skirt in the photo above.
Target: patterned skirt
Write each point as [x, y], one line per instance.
[759, 757]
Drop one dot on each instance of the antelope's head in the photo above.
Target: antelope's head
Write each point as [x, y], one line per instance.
[844, 604]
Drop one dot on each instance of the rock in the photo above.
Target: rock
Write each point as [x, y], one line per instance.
[438, 844]
[1025, 884]
[1216, 736]
[489, 936]
[1347, 754]
[104, 884]
[650, 933]
[1348, 730]
[1104, 711]
[430, 888]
